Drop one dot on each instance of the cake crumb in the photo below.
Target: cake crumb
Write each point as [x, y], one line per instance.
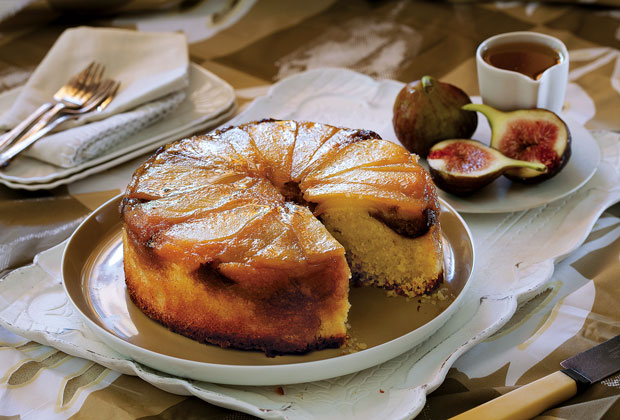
[381, 391]
[353, 346]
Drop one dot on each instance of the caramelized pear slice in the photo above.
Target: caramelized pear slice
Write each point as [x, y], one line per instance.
[534, 135]
[462, 167]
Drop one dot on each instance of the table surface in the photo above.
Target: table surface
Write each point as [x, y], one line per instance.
[252, 45]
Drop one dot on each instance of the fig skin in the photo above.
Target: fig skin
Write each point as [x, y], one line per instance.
[428, 111]
[534, 126]
[462, 167]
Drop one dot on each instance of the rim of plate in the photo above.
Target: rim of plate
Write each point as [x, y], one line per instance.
[268, 374]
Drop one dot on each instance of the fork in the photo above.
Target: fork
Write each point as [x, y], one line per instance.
[98, 102]
[70, 95]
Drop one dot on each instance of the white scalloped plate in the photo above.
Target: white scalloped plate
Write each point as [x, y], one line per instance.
[210, 102]
[94, 280]
[515, 254]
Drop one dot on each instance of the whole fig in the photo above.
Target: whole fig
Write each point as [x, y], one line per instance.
[428, 111]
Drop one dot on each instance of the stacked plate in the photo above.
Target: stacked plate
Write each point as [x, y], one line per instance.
[210, 101]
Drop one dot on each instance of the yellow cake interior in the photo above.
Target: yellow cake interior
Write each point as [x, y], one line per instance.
[380, 257]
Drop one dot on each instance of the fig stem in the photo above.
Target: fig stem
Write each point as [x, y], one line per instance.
[492, 115]
[485, 110]
[427, 82]
[537, 166]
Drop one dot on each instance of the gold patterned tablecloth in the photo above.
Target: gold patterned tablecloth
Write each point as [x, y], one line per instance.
[252, 44]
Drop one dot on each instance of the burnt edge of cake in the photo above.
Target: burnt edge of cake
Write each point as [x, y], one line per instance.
[209, 274]
[270, 348]
[408, 228]
[365, 280]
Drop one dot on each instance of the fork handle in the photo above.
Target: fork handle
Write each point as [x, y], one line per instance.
[8, 138]
[45, 120]
[28, 140]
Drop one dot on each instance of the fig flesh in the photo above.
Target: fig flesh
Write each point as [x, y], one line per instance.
[534, 135]
[462, 167]
[428, 111]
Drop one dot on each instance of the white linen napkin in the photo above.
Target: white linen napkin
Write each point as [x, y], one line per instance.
[80, 144]
[149, 66]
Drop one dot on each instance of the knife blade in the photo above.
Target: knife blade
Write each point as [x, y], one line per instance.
[596, 363]
[528, 401]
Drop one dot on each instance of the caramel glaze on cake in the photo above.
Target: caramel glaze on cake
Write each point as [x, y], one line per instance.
[248, 237]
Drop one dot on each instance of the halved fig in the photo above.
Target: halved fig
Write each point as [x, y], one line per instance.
[462, 167]
[534, 135]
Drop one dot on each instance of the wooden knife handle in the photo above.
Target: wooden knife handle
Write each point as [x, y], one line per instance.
[525, 402]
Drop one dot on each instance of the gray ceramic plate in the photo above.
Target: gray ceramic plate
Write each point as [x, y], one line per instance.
[384, 326]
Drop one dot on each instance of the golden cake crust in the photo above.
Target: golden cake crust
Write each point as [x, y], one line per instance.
[238, 323]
